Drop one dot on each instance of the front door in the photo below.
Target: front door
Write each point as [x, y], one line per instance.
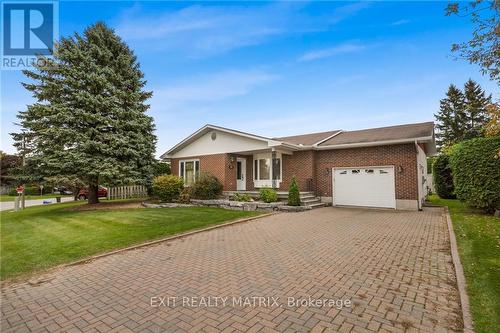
[241, 170]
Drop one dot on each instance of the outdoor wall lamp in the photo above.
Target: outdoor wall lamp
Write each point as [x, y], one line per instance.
[400, 169]
[231, 162]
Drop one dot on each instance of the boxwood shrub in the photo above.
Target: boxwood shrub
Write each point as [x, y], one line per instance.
[206, 187]
[167, 188]
[268, 194]
[442, 176]
[476, 172]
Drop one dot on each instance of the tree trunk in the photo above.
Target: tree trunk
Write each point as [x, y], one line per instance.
[93, 196]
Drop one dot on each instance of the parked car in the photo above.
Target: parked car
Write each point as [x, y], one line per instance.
[62, 190]
[83, 194]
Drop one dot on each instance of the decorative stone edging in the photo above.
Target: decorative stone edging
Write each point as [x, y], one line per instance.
[459, 271]
[165, 205]
[250, 206]
[233, 205]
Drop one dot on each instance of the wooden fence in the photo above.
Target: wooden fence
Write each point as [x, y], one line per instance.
[127, 192]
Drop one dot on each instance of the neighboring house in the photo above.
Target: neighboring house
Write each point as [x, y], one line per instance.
[379, 167]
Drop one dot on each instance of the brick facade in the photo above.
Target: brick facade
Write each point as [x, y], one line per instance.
[396, 155]
[312, 169]
[217, 164]
[300, 165]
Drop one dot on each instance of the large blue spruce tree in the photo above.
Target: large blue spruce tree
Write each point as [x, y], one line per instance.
[89, 119]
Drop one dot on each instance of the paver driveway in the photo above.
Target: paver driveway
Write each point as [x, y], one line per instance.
[395, 267]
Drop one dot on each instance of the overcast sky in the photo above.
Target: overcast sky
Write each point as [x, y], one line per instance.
[277, 69]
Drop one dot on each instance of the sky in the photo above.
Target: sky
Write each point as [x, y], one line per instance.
[277, 68]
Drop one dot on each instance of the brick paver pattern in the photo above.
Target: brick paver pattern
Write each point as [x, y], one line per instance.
[395, 267]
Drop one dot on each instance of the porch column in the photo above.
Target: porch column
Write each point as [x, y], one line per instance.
[274, 182]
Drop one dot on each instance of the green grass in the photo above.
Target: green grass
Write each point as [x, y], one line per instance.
[4, 198]
[42, 237]
[478, 240]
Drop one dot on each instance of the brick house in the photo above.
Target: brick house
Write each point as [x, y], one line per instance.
[379, 167]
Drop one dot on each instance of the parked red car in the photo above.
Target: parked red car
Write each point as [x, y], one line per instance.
[84, 193]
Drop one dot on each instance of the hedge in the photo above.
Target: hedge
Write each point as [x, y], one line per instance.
[476, 172]
[442, 176]
[32, 190]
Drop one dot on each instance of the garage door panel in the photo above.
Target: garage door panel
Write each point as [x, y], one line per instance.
[369, 186]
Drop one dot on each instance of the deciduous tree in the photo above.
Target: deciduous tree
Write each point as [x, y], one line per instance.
[484, 46]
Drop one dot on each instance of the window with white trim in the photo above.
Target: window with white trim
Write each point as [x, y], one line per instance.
[264, 170]
[189, 171]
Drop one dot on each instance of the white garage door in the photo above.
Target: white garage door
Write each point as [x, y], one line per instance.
[370, 187]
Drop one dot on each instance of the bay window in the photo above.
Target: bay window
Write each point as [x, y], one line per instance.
[266, 170]
[189, 171]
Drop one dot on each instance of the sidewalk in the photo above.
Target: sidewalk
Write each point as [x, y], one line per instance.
[7, 205]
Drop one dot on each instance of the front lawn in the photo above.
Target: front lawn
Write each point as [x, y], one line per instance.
[45, 236]
[4, 198]
[478, 240]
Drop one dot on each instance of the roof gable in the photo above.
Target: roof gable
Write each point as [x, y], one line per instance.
[212, 139]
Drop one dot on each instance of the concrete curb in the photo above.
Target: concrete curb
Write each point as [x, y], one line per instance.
[459, 271]
[182, 235]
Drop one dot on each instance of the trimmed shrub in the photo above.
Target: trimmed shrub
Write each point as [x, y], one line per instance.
[184, 197]
[476, 172]
[206, 187]
[293, 193]
[242, 197]
[442, 176]
[167, 188]
[268, 194]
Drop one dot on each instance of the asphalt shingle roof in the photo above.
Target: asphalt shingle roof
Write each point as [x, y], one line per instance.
[400, 132]
[307, 139]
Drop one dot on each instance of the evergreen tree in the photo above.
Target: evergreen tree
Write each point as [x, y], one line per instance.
[450, 118]
[476, 103]
[89, 119]
[462, 115]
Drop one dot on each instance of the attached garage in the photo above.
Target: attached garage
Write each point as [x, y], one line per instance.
[372, 186]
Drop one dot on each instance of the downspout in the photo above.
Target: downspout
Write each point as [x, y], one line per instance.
[419, 189]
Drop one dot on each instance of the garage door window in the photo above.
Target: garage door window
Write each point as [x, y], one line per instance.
[369, 187]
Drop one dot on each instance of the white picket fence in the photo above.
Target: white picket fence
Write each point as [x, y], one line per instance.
[127, 192]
